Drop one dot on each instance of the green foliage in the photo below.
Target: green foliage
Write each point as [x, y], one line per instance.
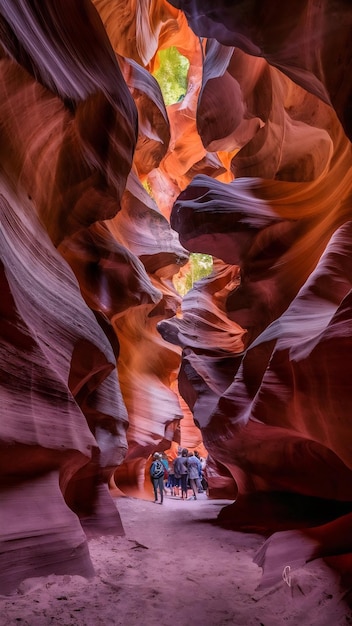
[200, 266]
[172, 75]
[172, 78]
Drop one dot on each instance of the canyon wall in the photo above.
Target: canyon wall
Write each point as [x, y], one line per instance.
[105, 190]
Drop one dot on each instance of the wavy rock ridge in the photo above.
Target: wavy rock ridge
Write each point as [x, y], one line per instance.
[253, 166]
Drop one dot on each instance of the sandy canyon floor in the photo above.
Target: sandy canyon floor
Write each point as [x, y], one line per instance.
[175, 566]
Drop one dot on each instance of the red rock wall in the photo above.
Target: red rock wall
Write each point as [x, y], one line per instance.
[87, 260]
[279, 428]
[252, 166]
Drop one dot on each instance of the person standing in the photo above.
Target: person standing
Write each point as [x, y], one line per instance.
[157, 477]
[194, 469]
[181, 470]
[200, 469]
[165, 462]
[172, 482]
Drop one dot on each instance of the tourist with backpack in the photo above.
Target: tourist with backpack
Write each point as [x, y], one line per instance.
[157, 477]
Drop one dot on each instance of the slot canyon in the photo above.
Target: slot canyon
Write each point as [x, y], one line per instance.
[114, 175]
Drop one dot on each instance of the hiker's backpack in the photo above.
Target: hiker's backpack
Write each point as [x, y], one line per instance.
[157, 469]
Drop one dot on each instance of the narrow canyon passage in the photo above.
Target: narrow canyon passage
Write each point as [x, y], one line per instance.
[175, 272]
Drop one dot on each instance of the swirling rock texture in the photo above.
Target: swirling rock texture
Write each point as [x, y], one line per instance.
[252, 166]
[278, 432]
[87, 383]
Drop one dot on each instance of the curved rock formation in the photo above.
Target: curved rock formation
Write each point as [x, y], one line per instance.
[70, 130]
[309, 43]
[253, 166]
[279, 428]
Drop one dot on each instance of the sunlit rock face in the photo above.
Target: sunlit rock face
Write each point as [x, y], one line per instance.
[64, 420]
[276, 420]
[252, 165]
[309, 43]
[84, 373]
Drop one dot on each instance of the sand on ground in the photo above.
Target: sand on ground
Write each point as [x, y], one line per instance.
[176, 566]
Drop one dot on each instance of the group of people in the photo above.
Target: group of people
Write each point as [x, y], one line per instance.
[185, 472]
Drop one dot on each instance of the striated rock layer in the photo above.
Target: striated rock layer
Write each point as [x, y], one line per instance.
[85, 377]
[276, 421]
[104, 191]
